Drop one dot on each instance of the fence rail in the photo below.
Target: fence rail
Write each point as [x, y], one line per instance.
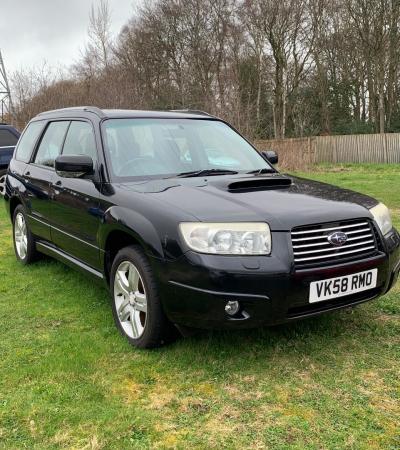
[299, 153]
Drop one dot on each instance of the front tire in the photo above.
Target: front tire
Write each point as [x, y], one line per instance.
[24, 242]
[136, 306]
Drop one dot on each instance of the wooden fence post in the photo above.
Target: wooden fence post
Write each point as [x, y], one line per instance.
[385, 154]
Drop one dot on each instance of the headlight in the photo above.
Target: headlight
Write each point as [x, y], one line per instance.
[382, 217]
[227, 238]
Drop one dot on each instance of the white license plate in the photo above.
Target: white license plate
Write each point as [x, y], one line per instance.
[340, 286]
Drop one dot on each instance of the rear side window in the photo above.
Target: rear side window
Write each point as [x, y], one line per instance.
[51, 143]
[28, 141]
[80, 140]
[7, 139]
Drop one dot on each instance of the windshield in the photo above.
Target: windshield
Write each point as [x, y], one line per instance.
[169, 147]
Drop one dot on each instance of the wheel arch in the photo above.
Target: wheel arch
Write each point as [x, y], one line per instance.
[13, 202]
[123, 227]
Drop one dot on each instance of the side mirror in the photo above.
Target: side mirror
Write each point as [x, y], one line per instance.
[270, 156]
[73, 165]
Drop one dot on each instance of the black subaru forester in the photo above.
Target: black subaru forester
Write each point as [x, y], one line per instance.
[189, 225]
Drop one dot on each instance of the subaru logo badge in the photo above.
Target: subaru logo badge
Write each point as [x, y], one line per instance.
[338, 238]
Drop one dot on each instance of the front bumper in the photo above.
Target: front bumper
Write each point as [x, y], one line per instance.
[195, 288]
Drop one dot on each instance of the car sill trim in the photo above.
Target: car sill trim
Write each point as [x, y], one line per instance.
[51, 251]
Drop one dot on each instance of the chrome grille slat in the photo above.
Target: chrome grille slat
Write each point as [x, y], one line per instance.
[310, 243]
[318, 244]
[371, 241]
[338, 228]
[335, 254]
[357, 238]
[323, 237]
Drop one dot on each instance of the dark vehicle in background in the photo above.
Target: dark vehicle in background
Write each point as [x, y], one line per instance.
[8, 140]
[189, 225]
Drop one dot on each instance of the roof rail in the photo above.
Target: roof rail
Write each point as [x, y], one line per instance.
[92, 109]
[191, 111]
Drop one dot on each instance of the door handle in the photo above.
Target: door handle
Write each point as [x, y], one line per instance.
[27, 174]
[57, 184]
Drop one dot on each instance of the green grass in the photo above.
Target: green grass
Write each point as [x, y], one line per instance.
[69, 380]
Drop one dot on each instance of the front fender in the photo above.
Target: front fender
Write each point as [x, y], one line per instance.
[118, 218]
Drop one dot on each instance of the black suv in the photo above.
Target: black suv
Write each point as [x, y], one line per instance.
[189, 225]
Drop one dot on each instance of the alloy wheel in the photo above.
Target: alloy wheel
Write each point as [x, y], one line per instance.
[20, 235]
[130, 299]
[2, 184]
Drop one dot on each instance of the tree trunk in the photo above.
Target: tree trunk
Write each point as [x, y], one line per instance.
[381, 110]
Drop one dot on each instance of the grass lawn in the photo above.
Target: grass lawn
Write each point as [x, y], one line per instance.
[69, 380]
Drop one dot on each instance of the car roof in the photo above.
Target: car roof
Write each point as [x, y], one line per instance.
[5, 126]
[123, 113]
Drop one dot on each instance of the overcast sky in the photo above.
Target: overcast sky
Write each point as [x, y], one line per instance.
[32, 31]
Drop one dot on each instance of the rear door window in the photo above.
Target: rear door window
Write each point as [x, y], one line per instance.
[51, 144]
[7, 139]
[28, 140]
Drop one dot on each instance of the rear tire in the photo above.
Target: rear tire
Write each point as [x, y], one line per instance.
[2, 181]
[24, 242]
[136, 306]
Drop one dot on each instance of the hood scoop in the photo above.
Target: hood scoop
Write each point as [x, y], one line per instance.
[259, 183]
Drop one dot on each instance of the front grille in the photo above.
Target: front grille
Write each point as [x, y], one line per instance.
[312, 248]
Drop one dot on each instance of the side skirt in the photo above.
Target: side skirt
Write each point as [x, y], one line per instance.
[69, 260]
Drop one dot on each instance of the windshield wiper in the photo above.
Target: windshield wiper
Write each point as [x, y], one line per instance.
[199, 173]
[263, 170]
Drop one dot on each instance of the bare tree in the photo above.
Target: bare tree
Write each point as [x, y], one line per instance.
[273, 68]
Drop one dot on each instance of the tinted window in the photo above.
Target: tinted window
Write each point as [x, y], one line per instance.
[7, 138]
[80, 140]
[28, 141]
[51, 143]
